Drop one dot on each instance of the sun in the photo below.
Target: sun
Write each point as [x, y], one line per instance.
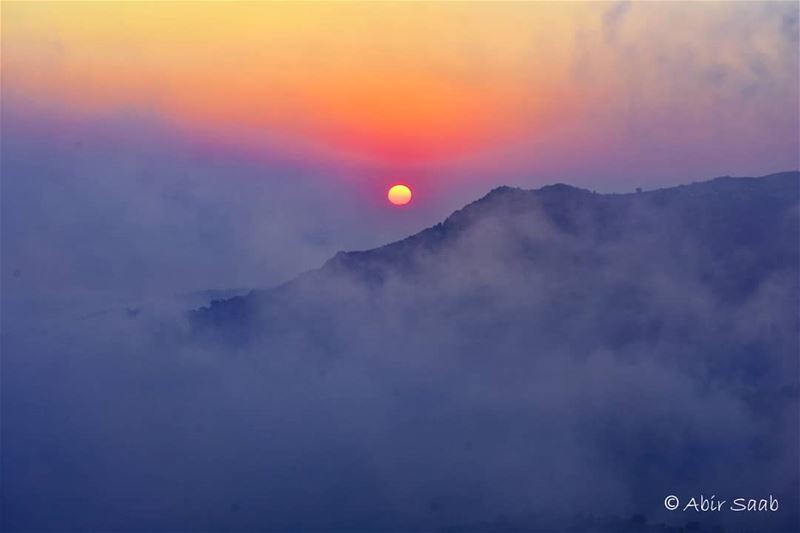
[399, 194]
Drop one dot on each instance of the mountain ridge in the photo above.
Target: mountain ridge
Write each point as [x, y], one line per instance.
[562, 203]
[626, 342]
[561, 190]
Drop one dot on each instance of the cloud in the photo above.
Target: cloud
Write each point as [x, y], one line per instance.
[521, 366]
[123, 209]
[613, 19]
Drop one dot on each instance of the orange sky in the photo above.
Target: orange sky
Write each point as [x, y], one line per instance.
[404, 81]
[395, 79]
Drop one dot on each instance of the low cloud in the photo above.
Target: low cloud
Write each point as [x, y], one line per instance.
[526, 365]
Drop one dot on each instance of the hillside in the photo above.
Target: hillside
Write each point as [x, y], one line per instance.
[727, 235]
[548, 346]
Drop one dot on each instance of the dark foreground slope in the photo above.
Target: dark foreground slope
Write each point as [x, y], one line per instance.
[549, 358]
[559, 244]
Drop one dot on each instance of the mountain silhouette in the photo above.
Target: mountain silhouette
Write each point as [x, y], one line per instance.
[727, 235]
[544, 359]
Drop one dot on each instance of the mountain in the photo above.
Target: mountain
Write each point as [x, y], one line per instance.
[727, 235]
[546, 346]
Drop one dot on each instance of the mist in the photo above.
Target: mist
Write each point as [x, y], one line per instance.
[545, 360]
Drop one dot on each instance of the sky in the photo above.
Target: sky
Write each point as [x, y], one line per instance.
[268, 133]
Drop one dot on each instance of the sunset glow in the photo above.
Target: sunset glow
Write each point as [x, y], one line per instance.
[514, 86]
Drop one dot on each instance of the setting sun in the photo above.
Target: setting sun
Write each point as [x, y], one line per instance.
[399, 194]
